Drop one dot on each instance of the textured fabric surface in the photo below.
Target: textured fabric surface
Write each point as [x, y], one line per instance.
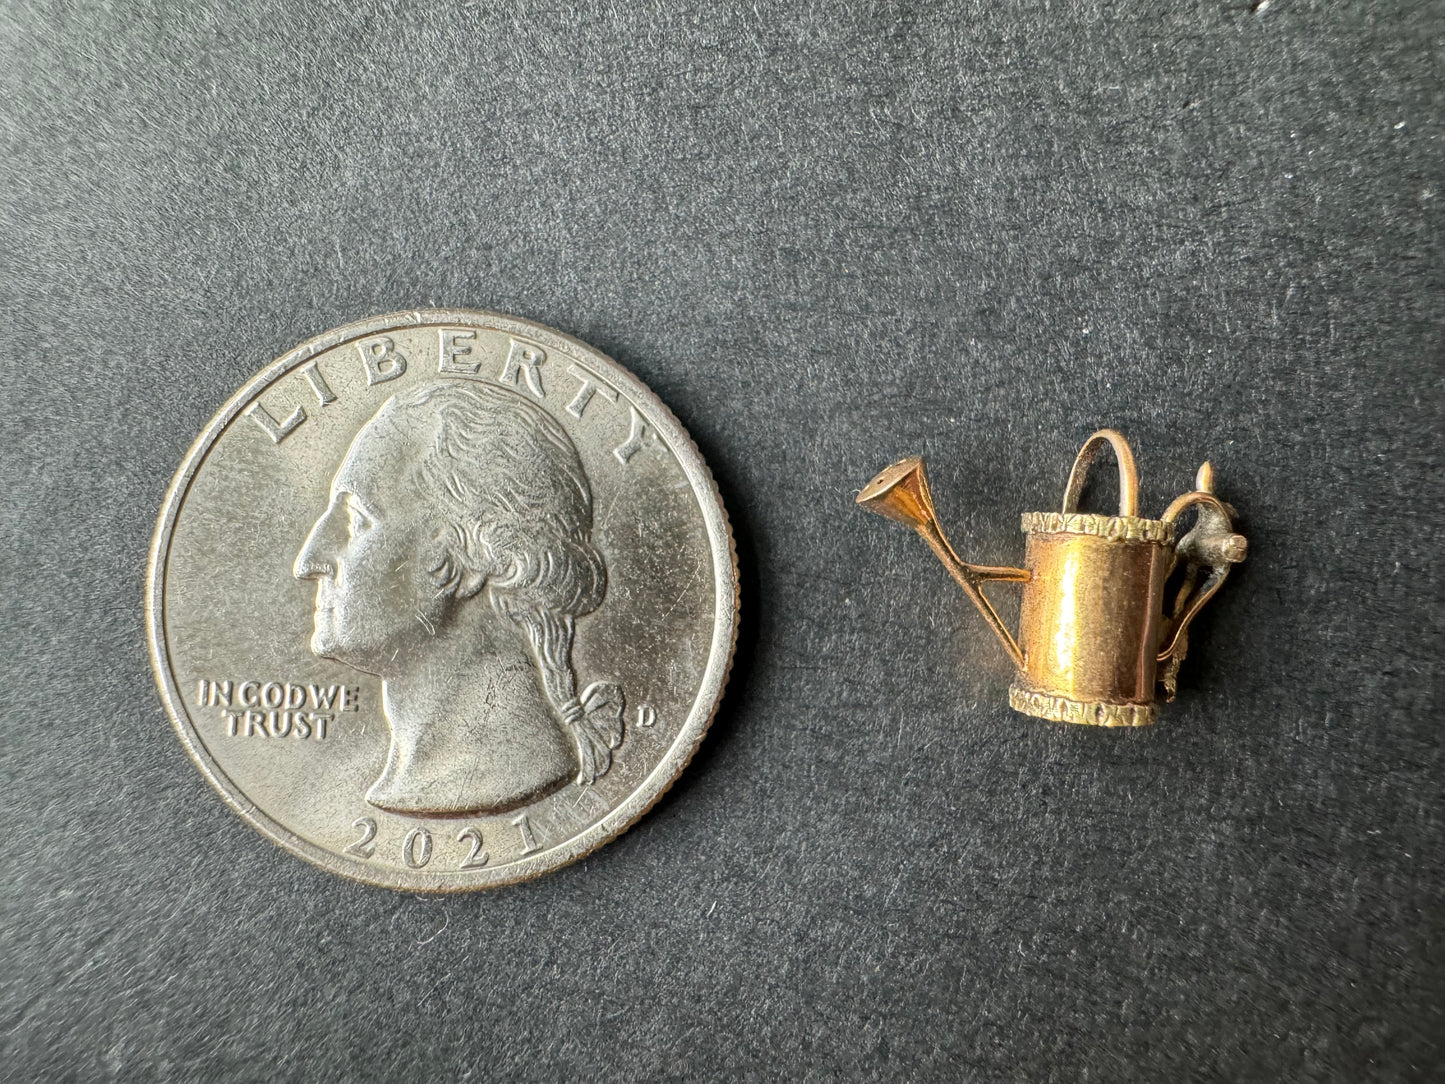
[827, 236]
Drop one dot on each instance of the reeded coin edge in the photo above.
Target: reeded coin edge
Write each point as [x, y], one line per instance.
[652, 787]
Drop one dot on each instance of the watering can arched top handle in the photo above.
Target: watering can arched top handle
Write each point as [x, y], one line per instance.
[1128, 472]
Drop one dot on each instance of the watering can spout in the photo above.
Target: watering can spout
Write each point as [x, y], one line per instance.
[900, 492]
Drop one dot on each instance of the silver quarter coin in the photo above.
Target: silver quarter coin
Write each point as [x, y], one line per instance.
[442, 600]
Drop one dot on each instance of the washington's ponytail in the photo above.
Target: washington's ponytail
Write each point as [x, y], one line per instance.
[594, 719]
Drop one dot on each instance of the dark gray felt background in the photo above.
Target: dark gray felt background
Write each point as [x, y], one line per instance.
[827, 236]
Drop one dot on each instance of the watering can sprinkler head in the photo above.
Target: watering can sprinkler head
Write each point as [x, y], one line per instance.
[900, 492]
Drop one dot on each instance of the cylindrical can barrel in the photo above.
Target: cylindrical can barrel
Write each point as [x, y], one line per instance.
[1091, 617]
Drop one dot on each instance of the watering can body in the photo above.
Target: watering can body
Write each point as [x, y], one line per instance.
[1091, 619]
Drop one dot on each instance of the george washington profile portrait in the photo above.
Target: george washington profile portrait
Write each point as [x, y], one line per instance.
[453, 561]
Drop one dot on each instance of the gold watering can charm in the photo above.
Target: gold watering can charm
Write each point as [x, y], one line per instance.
[1092, 626]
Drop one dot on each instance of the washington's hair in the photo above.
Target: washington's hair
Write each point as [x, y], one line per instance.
[507, 483]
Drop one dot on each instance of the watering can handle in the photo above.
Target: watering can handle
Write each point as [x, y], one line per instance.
[1212, 547]
[1128, 472]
